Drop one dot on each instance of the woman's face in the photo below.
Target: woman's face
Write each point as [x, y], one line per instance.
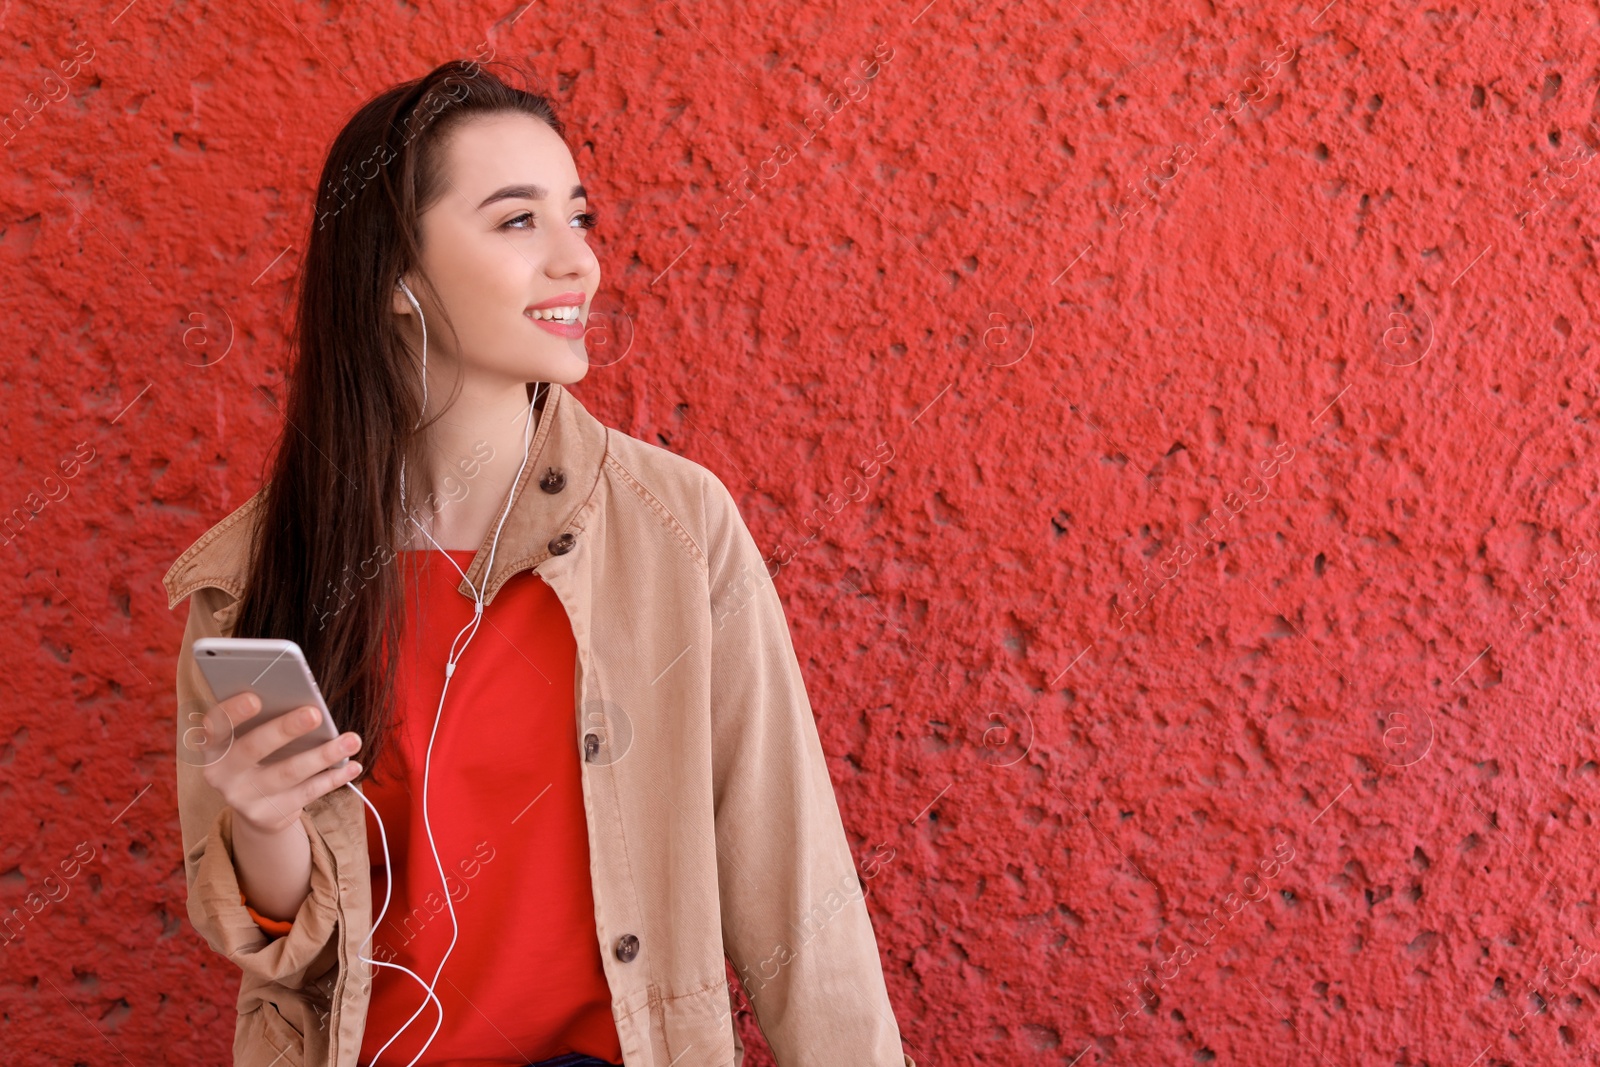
[505, 235]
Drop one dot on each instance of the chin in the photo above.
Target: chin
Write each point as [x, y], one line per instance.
[576, 373]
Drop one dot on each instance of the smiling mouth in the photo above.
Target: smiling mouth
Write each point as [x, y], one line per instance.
[568, 314]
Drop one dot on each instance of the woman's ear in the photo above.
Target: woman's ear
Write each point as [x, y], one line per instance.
[400, 304]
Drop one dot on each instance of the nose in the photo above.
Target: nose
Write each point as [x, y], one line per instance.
[569, 254]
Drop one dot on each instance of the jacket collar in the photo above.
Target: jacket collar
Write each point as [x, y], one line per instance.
[564, 460]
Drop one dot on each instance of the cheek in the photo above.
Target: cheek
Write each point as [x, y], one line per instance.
[476, 271]
[505, 276]
[485, 284]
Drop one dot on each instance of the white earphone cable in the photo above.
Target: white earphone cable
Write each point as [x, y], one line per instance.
[470, 630]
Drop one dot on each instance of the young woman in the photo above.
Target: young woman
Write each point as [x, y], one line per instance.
[578, 772]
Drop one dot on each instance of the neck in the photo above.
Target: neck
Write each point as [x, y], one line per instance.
[475, 451]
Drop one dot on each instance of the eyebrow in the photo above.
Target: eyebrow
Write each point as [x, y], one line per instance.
[528, 192]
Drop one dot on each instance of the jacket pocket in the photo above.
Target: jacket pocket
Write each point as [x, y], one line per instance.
[264, 1037]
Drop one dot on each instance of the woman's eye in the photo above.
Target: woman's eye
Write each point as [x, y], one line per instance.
[524, 221]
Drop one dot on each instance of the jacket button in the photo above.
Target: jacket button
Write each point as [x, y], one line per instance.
[552, 481]
[560, 546]
[591, 747]
[627, 947]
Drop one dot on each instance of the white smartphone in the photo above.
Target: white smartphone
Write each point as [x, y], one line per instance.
[276, 671]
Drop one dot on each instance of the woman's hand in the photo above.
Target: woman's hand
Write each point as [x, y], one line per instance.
[268, 797]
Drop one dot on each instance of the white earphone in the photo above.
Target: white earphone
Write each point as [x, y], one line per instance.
[449, 670]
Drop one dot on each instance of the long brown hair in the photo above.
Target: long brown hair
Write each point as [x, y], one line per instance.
[330, 520]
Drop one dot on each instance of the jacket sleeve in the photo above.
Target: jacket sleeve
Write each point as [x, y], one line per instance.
[794, 917]
[215, 901]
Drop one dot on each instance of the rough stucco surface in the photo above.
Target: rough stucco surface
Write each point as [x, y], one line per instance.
[1184, 524]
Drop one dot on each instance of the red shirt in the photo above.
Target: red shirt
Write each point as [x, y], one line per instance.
[524, 981]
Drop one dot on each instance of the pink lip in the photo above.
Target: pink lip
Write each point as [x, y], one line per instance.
[564, 300]
[569, 330]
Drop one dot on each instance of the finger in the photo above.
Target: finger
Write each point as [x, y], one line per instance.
[204, 734]
[326, 782]
[303, 767]
[270, 812]
[211, 740]
[237, 708]
[224, 719]
[268, 738]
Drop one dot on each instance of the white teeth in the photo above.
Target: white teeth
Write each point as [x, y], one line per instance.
[561, 314]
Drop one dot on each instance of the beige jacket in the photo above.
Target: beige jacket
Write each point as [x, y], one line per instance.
[713, 827]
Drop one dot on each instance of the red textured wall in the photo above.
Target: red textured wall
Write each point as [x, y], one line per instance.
[1201, 653]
